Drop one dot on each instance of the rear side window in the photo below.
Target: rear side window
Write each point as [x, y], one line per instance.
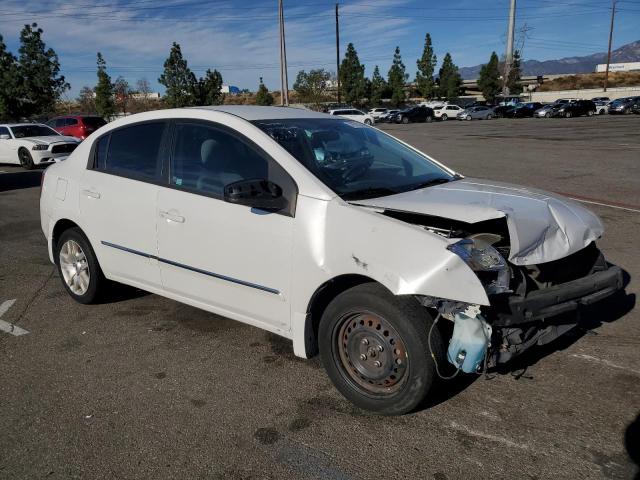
[133, 151]
[69, 122]
[94, 122]
[60, 122]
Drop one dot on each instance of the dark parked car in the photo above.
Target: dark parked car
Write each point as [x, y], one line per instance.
[414, 114]
[523, 110]
[502, 110]
[79, 126]
[623, 105]
[575, 108]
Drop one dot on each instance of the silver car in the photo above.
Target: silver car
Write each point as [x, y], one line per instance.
[480, 112]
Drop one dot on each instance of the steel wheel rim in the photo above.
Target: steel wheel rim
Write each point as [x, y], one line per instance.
[74, 267]
[370, 353]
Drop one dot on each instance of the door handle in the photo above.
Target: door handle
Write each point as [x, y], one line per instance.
[91, 193]
[172, 217]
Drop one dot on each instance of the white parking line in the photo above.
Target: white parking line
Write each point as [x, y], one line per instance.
[605, 362]
[7, 327]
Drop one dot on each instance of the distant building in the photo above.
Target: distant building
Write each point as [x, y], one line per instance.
[230, 89]
[618, 67]
[146, 96]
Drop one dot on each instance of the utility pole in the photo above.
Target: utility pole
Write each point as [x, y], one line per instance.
[338, 52]
[508, 58]
[606, 72]
[284, 81]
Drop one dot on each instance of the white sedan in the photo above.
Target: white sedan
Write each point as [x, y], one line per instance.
[31, 144]
[328, 232]
[446, 112]
[353, 114]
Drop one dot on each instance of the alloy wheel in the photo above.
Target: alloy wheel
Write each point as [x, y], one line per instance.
[74, 267]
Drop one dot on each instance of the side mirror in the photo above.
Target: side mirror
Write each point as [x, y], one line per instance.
[5, 136]
[257, 193]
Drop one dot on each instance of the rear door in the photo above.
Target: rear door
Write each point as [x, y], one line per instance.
[118, 195]
[231, 258]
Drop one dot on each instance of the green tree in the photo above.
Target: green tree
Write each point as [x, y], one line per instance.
[178, 79]
[9, 84]
[397, 78]
[489, 79]
[450, 80]
[263, 97]
[426, 68]
[39, 70]
[86, 100]
[352, 82]
[513, 78]
[105, 105]
[209, 89]
[378, 87]
[312, 87]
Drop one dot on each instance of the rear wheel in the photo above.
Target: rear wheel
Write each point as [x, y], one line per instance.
[374, 347]
[429, 119]
[78, 266]
[26, 161]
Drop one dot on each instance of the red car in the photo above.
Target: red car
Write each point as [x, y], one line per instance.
[79, 126]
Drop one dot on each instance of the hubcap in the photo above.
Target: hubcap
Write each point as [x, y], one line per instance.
[74, 267]
[371, 353]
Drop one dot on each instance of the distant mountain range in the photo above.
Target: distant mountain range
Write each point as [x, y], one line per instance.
[587, 64]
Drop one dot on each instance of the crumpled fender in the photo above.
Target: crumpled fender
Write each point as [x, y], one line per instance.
[406, 259]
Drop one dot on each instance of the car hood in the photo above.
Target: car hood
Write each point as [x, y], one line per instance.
[543, 227]
[49, 139]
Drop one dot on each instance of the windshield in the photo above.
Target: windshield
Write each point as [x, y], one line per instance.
[24, 131]
[352, 159]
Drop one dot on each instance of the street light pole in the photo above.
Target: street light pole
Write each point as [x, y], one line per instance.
[508, 58]
[338, 53]
[284, 81]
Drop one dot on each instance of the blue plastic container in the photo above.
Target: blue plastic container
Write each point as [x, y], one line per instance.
[469, 342]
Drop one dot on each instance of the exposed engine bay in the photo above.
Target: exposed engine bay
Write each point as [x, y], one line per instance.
[526, 301]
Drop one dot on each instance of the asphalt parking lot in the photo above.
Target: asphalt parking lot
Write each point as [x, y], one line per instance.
[144, 387]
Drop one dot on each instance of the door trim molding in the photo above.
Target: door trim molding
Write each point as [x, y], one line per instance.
[192, 269]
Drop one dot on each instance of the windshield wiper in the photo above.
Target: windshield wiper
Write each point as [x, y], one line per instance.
[371, 192]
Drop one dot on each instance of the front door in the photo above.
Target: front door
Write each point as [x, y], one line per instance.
[231, 258]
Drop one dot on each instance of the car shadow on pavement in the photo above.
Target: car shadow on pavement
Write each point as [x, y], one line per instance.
[117, 292]
[607, 311]
[632, 443]
[18, 180]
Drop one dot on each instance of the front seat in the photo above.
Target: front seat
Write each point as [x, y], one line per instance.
[217, 158]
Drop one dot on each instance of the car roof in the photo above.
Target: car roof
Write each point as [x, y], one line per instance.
[252, 112]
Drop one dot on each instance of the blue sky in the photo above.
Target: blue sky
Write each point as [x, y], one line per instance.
[240, 39]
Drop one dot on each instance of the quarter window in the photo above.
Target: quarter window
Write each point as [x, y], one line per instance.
[206, 159]
[71, 121]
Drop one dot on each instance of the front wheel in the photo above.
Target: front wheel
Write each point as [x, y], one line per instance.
[590, 113]
[405, 120]
[567, 115]
[429, 119]
[444, 117]
[368, 122]
[78, 267]
[489, 117]
[375, 348]
[468, 117]
[26, 160]
[547, 115]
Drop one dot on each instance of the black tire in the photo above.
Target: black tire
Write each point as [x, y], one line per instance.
[568, 115]
[429, 119]
[468, 118]
[96, 277]
[368, 122]
[370, 312]
[547, 115]
[26, 160]
[404, 120]
[444, 117]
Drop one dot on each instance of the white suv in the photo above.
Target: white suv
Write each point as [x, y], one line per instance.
[446, 112]
[353, 114]
[327, 232]
[376, 113]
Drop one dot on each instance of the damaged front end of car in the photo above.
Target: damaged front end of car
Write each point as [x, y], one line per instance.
[528, 304]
